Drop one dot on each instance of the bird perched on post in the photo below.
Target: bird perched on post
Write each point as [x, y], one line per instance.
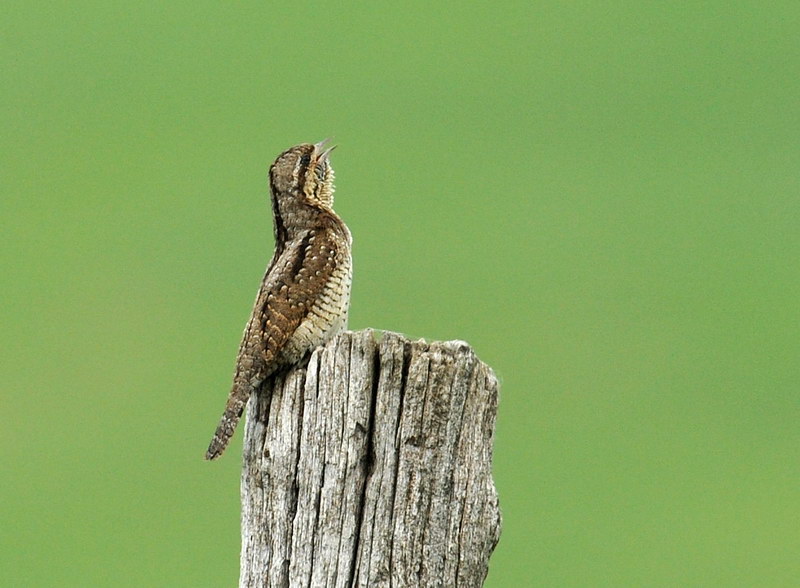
[305, 294]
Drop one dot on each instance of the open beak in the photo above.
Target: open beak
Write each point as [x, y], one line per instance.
[323, 155]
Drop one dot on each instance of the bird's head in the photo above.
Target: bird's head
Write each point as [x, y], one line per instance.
[304, 171]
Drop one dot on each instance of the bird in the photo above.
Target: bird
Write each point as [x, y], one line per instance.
[304, 297]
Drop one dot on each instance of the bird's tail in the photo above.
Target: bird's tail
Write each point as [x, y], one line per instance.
[230, 418]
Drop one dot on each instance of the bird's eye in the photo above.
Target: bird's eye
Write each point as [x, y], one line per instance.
[305, 159]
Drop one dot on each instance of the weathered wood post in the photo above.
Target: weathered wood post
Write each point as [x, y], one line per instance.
[371, 466]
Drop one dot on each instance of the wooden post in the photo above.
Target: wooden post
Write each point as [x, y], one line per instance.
[371, 466]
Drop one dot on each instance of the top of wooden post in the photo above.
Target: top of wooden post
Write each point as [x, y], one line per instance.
[371, 466]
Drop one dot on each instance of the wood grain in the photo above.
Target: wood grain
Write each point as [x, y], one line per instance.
[371, 466]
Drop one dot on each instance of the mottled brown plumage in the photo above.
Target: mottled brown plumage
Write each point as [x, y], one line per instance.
[305, 294]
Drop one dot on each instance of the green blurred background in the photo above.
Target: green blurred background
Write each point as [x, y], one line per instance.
[602, 198]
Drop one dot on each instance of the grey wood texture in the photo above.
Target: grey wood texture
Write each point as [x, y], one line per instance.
[371, 466]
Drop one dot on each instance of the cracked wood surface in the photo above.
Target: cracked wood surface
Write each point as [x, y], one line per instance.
[371, 466]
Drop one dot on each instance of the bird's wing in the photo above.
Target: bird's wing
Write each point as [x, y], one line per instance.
[295, 279]
[292, 285]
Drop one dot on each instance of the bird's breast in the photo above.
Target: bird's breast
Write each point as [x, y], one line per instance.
[327, 313]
